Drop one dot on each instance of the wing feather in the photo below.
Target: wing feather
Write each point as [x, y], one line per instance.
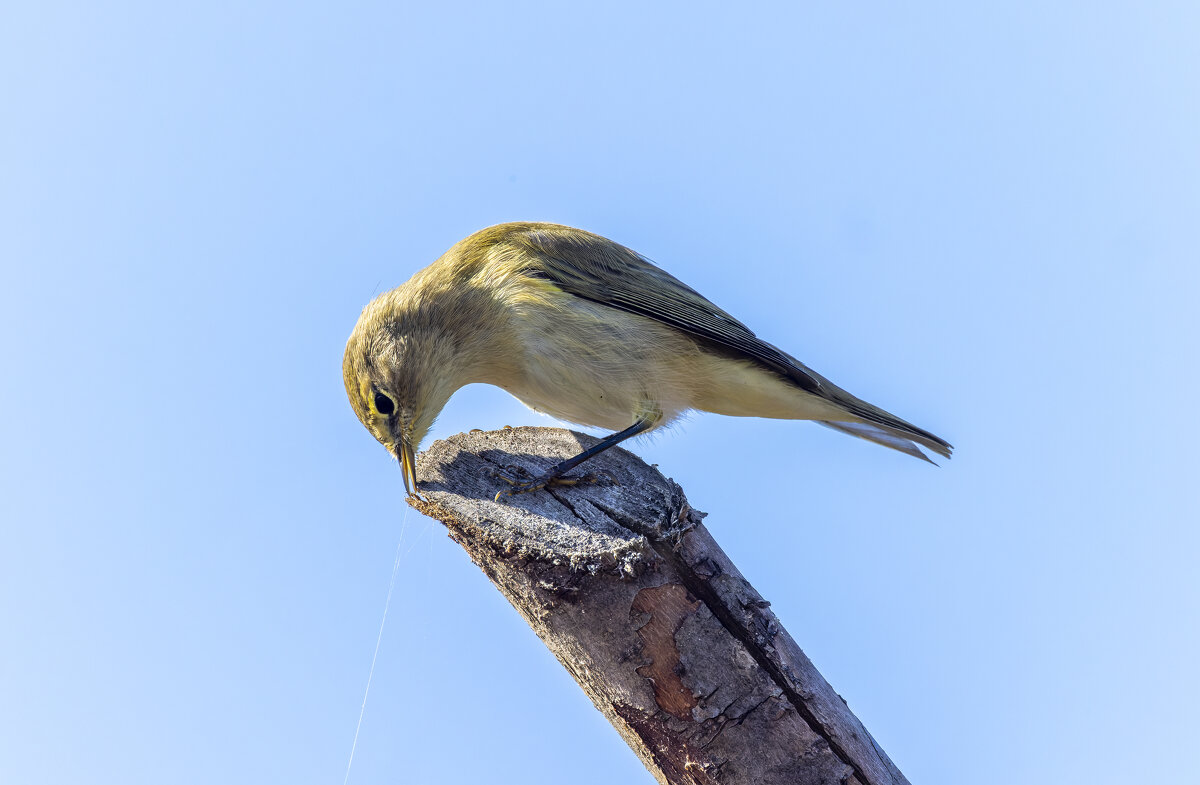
[597, 269]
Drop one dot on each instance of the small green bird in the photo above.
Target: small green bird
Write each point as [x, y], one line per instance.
[585, 330]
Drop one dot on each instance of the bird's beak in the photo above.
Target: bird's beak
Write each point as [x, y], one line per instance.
[408, 466]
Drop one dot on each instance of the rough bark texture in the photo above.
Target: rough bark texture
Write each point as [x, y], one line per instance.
[631, 593]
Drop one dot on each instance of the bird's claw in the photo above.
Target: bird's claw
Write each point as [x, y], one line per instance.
[547, 480]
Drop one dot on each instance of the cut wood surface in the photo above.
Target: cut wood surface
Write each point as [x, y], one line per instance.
[627, 587]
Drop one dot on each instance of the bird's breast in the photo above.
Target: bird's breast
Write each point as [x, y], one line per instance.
[594, 365]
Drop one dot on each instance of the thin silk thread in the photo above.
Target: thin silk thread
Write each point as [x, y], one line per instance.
[379, 639]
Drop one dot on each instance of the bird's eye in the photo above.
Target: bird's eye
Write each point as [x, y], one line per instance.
[384, 404]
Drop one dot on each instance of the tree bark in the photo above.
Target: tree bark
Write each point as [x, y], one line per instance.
[629, 590]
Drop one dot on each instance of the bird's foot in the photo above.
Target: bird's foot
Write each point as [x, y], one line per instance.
[523, 481]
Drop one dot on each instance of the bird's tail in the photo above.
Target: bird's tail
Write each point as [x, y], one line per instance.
[876, 425]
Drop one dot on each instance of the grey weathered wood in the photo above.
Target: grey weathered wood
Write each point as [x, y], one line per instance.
[631, 593]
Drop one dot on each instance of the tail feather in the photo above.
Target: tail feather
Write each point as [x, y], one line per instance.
[898, 438]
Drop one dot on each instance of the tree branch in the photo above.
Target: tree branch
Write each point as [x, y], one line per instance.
[629, 590]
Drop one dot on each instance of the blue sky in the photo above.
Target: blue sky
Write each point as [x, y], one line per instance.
[981, 217]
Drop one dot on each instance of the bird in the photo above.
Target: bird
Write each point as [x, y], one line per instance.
[588, 331]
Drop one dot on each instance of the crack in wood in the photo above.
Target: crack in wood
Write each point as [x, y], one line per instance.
[698, 584]
[705, 592]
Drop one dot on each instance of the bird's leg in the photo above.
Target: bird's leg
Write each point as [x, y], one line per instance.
[555, 475]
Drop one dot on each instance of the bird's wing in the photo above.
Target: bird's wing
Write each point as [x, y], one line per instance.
[597, 269]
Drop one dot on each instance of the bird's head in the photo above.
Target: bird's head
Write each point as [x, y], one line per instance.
[399, 373]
